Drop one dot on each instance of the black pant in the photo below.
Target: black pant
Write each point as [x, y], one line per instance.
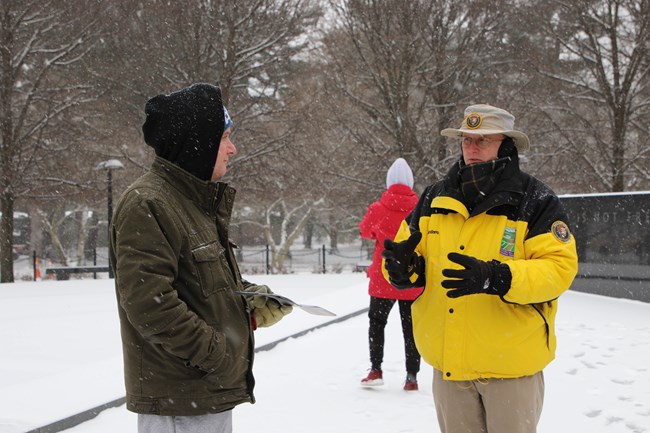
[378, 315]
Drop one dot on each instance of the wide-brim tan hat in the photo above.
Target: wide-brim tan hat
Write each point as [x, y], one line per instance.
[485, 119]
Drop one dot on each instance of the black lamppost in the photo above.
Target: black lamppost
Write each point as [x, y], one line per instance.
[109, 166]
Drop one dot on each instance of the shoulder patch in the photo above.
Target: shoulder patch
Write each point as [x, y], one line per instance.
[561, 231]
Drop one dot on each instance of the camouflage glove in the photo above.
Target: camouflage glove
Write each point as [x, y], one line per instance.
[266, 311]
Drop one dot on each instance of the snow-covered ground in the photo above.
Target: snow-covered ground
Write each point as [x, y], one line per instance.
[60, 355]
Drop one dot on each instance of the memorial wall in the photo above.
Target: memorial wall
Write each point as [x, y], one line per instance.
[612, 233]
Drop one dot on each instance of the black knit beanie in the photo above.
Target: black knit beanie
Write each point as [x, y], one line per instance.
[185, 127]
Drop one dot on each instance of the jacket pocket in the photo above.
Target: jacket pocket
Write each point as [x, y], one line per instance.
[212, 267]
[231, 374]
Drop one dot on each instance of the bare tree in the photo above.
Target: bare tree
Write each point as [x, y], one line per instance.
[603, 71]
[41, 114]
[320, 115]
[246, 47]
[401, 71]
[252, 48]
[394, 73]
[292, 223]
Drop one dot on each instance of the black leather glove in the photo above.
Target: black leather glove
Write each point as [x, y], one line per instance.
[492, 278]
[401, 260]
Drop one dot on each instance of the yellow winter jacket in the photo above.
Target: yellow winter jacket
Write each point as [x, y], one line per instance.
[522, 224]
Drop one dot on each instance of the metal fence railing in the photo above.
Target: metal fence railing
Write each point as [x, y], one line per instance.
[251, 260]
[322, 260]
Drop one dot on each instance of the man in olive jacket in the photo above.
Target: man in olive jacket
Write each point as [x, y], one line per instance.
[187, 337]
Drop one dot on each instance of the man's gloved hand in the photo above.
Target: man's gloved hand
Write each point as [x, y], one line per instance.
[266, 311]
[400, 260]
[492, 278]
[271, 313]
[257, 301]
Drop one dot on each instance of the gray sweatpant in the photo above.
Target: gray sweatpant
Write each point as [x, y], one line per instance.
[211, 423]
[489, 405]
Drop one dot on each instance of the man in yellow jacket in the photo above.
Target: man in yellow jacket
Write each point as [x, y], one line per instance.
[492, 246]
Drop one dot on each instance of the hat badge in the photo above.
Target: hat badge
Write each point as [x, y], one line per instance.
[473, 120]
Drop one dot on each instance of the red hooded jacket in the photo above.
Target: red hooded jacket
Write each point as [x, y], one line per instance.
[382, 220]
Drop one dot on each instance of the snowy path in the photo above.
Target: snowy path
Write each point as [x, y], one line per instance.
[61, 354]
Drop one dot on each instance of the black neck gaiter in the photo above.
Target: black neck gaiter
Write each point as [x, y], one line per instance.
[478, 180]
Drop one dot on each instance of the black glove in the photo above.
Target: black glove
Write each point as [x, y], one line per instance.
[401, 260]
[492, 278]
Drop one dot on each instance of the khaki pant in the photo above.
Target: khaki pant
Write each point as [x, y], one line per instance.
[489, 405]
[212, 423]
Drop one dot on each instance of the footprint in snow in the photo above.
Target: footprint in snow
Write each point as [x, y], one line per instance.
[589, 365]
[594, 413]
[623, 381]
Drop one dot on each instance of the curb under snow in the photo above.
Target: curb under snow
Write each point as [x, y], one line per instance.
[87, 415]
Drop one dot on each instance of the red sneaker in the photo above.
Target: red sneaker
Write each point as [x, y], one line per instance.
[411, 385]
[374, 378]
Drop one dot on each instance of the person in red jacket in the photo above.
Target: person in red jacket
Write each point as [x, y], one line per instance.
[382, 220]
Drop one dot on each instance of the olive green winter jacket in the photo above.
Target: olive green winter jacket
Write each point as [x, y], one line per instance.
[187, 339]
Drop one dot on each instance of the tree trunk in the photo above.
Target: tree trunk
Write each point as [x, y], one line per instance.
[52, 228]
[35, 232]
[81, 239]
[308, 235]
[334, 235]
[6, 237]
[618, 152]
